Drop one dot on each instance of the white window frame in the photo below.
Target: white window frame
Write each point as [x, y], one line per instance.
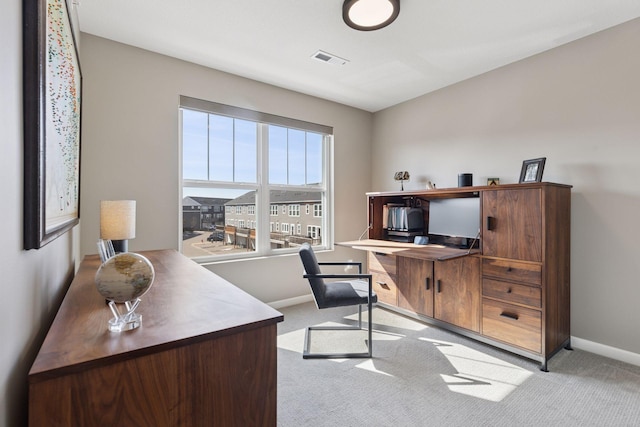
[262, 187]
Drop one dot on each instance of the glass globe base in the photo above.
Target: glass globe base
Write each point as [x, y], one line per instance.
[127, 321]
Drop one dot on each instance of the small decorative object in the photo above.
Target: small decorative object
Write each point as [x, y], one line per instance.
[493, 181]
[532, 170]
[465, 179]
[124, 278]
[401, 176]
[431, 185]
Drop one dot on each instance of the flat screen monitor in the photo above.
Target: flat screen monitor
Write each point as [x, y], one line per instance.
[455, 217]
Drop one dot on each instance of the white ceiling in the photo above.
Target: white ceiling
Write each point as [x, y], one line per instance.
[432, 44]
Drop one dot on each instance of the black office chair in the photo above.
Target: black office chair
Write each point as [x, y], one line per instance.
[337, 294]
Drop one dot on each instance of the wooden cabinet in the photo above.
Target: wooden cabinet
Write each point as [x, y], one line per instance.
[448, 291]
[383, 269]
[415, 285]
[512, 224]
[205, 355]
[512, 292]
[457, 292]
[525, 270]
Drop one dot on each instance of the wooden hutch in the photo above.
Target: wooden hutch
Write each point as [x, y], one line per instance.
[509, 287]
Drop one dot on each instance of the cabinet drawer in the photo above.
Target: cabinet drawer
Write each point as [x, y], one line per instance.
[384, 285]
[512, 324]
[512, 292]
[382, 262]
[512, 270]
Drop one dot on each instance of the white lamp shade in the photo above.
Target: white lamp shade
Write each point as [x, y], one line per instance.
[117, 219]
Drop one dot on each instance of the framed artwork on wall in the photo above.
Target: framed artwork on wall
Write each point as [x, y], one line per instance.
[532, 170]
[52, 86]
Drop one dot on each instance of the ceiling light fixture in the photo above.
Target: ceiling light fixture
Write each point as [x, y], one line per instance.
[369, 15]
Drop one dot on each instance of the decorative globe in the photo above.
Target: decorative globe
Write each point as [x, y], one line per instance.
[125, 277]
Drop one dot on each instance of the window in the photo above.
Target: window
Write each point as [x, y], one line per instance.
[294, 210]
[240, 162]
[313, 231]
[306, 208]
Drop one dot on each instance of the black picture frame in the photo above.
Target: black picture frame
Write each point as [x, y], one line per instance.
[52, 89]
[532, 170]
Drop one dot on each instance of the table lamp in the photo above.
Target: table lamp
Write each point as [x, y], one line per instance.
[118, 222]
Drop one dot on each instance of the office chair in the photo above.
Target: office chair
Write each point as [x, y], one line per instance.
[336, 294]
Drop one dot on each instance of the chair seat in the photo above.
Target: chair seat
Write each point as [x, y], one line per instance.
[345, 293]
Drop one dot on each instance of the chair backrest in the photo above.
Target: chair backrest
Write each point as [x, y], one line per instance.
[310, 264]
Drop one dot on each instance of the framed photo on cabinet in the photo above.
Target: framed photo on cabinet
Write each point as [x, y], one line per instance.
[532, 170]
[52, 85]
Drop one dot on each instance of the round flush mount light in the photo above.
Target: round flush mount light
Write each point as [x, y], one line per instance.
[368, 15]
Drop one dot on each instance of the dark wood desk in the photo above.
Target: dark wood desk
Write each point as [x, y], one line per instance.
[205, 355]
[410, 250]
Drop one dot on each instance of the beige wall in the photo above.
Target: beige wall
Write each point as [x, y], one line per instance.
[33, 282]
[130, 150]
[578, 105]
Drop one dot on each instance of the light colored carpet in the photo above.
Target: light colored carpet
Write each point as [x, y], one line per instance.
[421, 375]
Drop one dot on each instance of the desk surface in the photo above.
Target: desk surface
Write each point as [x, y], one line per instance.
[186, 304]
[411, 250]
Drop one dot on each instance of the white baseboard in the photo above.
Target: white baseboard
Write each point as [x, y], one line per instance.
[606, 351]
[291, 301]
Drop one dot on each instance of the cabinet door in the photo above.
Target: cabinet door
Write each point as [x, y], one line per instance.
[457, 292]
[512, 224]
[415, 285]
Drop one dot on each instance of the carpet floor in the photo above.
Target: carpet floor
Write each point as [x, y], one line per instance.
[421, 375]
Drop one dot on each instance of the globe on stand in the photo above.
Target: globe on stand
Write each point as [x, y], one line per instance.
[124, 278]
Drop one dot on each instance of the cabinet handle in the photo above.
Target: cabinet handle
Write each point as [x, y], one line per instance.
[383, 285]
[491, 223]
[509, 315]
[438, 285]
[426, 283]
[509, 290]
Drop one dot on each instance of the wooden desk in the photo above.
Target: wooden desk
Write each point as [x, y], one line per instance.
[513, 292]
[410, 250]
[204, 355]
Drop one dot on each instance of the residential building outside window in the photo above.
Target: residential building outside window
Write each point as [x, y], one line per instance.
[241, 171]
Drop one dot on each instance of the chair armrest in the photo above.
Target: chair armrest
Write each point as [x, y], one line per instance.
[359, 264]
[339, 276]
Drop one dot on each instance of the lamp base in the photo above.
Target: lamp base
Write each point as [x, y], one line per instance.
[120, 246]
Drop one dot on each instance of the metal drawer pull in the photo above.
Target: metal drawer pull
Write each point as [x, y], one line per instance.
[426, 283]
[438, 285]
[509, 315]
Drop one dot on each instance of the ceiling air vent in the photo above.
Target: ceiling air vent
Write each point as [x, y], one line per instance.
[328, 58]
